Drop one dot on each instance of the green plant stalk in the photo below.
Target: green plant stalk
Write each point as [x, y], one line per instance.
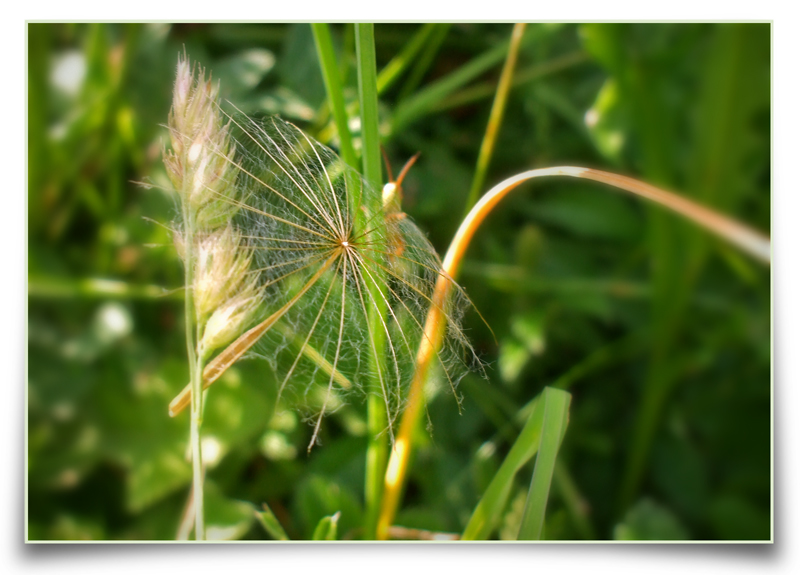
[378, 449]
[495, 117]
[195, 377]
[333, 86]
[554, 425]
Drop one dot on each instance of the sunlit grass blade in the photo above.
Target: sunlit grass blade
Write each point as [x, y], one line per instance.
[271, 524]
[486, 514]
[495, 116]
[554, 424]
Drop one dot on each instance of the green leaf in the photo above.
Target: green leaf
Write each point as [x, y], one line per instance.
[489, 509]
[605, 121]
[589, 213]
[527, 340]
[737, 519]
[317, 497]
[226, 519]
[155, 475]
[242, 72]
[326, 528]
[648, 521]
[554, 426]
[271, 524]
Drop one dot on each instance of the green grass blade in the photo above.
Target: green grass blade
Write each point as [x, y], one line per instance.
[535, 72]
[555, 404]
[487, 512]
[400, 63]
[368, 96]
[271, 524]
[495, 117]
[424, 62]
[326, 528]
[425, 100]
[333, 86]
[378, 448]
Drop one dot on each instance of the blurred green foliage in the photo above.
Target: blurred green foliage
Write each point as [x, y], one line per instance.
[661, 334]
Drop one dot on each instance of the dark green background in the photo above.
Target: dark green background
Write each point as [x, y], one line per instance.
[661, 333]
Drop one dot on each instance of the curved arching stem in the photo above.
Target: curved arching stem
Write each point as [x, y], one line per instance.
[748, 240]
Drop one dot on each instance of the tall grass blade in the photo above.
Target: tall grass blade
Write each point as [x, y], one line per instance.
[554, 425]
[333, 87]
[495, 116]
[377, 450]
[487, 513]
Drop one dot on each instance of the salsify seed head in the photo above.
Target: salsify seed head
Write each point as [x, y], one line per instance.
[352, 283]
[291, 240]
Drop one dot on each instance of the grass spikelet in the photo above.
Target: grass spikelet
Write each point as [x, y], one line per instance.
[221, 298]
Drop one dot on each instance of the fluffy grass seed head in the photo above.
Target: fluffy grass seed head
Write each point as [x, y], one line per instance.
[198, 164]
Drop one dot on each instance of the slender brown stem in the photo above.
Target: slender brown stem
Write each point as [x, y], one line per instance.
[747, 239]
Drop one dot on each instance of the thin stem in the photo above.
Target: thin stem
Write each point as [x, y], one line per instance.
[495, 116]
[195, 377]
[745, 238]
